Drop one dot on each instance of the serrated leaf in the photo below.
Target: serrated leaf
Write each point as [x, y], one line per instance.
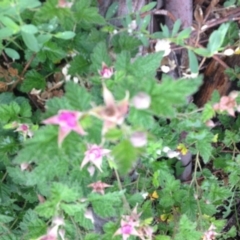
[5, 218]
[79, 65]
[72, 209]
[150, 62]
[141, 118]
[65, 35]
[77, 96]
[51, 51]
[125, 42]
[125, 155]
[169, 94]
[105, 205]
[33, 80]
[61, 192]
[100, 55]
[89, 15]
[9, 112]
[207, 113]
[205, 149]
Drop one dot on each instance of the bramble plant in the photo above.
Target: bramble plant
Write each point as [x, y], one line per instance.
[100, 160]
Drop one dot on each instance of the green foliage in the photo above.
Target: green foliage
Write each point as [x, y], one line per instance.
[126, 165]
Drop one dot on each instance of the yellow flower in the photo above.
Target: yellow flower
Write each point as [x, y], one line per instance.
[182, 148]
[153, 196]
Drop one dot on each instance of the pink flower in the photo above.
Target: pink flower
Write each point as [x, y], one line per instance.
[126, 230]
[210, 234]
[68, 121]
[141, 101]
[99, 186]
[227, 103]
[128, 224]
[133, 217]
[112, 113]
[94, 155]
[106, 72]
[24, 129]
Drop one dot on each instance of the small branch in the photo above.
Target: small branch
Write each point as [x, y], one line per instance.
[20, 78]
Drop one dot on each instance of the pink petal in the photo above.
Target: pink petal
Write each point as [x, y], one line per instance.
[91, 170]
[51, 120]
[62, 134]
[78, 129]
[84, 161]
[108, 97]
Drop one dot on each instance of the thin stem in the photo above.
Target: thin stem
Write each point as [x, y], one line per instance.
[125, 202]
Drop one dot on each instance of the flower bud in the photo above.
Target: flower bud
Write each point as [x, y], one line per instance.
[141, 101]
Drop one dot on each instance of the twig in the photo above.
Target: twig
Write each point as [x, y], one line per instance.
[20, 78]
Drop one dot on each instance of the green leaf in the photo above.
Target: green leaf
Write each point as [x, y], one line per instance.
[5, 218]
[165, 31]
[77, 96]
[150, 62]
[51, 51]
[9, 112]
[29, 28]
[205, 149]
[100, 55]
[176, 27]
[202, 52]
[89, 15]
[112, 10]
[207, 113]
[61, 192]
[185, 33]
[141, 118]
[125, 42]
[170, 94]
[148, 7]
[26, 109]
[125, 155]
[65, 35]
[30, 41]
[12, 53]
[193, 62]
[9, 23]
[72, 209]
[33, 80]
[79, 65]
[217, 37]
[105, 205]
[47, 209]
[28, 4]
[187, 230]
[5, 33]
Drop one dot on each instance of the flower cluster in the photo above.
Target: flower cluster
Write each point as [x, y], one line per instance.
[131, 226]
[228, 104]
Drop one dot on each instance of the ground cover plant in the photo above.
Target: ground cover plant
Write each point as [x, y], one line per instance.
[92, 143]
